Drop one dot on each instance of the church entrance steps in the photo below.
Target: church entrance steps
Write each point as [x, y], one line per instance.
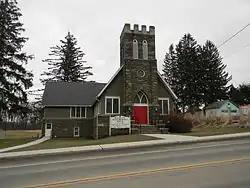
[146, 129]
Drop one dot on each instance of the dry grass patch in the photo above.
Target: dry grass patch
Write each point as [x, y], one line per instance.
[17, 134]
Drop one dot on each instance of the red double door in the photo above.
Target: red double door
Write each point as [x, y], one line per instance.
[140, 114]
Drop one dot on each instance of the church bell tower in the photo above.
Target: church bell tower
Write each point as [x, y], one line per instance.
[137, 56]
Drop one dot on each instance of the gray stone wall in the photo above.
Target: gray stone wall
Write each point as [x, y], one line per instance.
[140, 34]
[132, 82]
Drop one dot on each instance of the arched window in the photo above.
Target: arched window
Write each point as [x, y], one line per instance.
[141, 98]
[145, 49]
[135, 49]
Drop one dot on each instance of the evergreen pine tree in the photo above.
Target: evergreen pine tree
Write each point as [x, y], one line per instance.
[214, 77]
[169, 66]
[14, 78]
[186, 82]
[67, 63]
[235, 95]
[245, 93]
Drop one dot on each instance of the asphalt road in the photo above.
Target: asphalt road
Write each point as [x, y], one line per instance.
[207, 165]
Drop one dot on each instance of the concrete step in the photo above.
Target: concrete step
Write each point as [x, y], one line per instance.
[147, 129]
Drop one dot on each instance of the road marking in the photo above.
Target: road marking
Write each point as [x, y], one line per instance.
[122, 155]
[139, 173]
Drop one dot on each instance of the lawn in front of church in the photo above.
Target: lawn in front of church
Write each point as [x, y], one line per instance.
[73, 142]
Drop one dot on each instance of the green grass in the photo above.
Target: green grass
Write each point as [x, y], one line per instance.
[72, 142]
[18, 137]
[215, 131]
[9, 142]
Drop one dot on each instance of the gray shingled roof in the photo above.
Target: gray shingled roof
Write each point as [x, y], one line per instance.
[71, 93]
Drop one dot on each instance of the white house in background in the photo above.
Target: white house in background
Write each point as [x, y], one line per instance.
[222, 108]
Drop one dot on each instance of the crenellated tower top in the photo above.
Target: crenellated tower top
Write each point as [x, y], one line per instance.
[127, 29]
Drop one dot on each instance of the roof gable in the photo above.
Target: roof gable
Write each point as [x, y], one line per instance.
[71, 93]
[167, 86]
[219, 104]
[117, 72]
[110, 81]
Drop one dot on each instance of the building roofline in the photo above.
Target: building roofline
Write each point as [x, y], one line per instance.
[167, 86]
[109, 82]
[222, 103]
[113, 77]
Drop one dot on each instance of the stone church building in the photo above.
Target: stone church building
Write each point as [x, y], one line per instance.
[136, 90]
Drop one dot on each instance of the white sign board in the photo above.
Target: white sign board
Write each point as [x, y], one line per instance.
[119, 122]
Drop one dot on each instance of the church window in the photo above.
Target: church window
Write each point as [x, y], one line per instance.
[135, 49]
[78, 112]
[145, 49]
[112, 105]
[164, 106]
[141, 98]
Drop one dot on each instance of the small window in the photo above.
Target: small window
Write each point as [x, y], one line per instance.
[48, 126]
[135, 49]
[109, 106]
[76, 131]
[137, 99]
[144, 100]
[112, 105]
[73, 112]
[83, 112]
[141, 98]
[78, 112]
[115, 106]
[145, 49]
[164, 106]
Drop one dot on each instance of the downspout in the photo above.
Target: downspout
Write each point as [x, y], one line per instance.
[97, 131]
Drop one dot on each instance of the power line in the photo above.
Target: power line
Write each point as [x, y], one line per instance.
[233, 36]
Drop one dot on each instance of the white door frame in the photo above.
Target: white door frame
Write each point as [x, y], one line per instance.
[78, 131]
[48, 132]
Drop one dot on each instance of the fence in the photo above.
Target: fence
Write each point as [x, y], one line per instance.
[19, 126]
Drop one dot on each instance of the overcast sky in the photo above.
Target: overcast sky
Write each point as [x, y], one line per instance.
[97, 25]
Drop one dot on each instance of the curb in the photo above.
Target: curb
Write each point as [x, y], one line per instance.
[114, 147]
[162, 143]
[49, 152]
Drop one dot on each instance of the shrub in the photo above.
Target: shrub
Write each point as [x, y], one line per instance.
[193, 118]
[177, 124]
